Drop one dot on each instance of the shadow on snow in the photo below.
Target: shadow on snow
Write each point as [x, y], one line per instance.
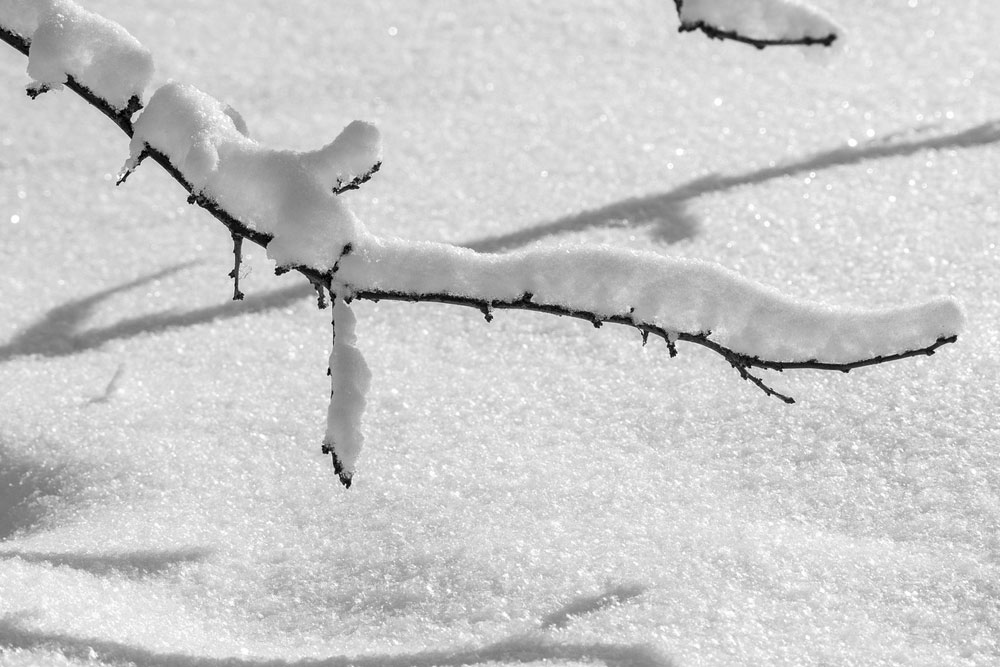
[527, 648]
[130, 563]
[28, 489]
[667, 213]
[588, 604]
[60, 332]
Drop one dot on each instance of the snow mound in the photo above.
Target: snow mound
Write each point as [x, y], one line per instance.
[67, 40]
[676, 294]
[763, 20]
[289, 195]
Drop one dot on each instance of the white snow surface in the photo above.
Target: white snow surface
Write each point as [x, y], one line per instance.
[21, 16]
[761, 19]
[287, 194]
[350, 379]
[674, 293]
[68, 40]
[532, 491]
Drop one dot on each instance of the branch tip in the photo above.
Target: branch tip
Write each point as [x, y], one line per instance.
[356, 182]
[36, 89]
[343, 475]
[320, 300]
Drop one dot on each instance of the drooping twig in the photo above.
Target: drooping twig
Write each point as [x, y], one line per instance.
[330, 447]
[237, 260]
[320, 296]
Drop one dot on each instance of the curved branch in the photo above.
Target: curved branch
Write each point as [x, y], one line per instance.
[740, 361]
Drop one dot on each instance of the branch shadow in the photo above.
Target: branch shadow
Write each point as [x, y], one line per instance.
[60, 333]
[526, 649]
[133, 564]
[27, 489]
[671, 221]
[589, 604]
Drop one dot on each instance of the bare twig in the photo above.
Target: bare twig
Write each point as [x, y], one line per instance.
[357, 181]
[237, 260]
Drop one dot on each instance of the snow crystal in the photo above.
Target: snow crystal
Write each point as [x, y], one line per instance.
[287, 194]
[350, 380]
[760, 19]
[98, 53]
[676, 294]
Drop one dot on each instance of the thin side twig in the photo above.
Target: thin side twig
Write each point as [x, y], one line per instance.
[357, 181]
[237, 260]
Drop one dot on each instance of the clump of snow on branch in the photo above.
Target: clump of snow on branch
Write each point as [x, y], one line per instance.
[67, 40]
[762, 20]
[289, 195]
[349, 157]
[675, 294]
[350, 380]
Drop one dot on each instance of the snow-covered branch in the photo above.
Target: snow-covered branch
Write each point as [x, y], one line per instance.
[677, 299]
[289, 203]
[760, 23]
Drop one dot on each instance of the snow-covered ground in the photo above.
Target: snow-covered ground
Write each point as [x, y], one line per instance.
[533, 490]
